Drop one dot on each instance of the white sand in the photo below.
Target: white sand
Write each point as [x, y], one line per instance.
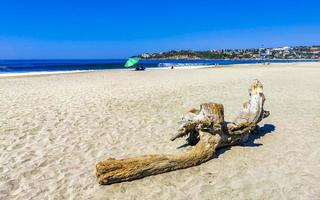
[54, 129]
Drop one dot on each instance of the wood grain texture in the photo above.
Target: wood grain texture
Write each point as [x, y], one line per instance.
[205, 128]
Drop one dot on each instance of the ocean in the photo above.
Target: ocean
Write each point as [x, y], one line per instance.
[29, 66]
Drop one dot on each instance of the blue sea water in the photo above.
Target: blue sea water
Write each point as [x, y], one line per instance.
[25, 66]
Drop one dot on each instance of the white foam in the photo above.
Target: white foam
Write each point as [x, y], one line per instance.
[42, 73]
[82, 71]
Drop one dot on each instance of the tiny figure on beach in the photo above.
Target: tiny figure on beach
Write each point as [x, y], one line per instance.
[140, 68]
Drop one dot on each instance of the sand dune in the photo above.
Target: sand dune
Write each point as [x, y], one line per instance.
[54, 129]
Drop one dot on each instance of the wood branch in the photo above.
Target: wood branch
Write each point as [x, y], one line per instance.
[208, 115]
[204, 128]
[253, 111]
[114, 171]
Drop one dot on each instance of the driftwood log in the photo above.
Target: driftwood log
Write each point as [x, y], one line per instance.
[205, 128]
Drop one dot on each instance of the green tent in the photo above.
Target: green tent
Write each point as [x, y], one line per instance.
[132, 62]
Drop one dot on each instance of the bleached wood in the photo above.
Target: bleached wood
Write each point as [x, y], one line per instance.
[205, 128]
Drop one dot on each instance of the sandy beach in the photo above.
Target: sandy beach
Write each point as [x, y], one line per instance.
[54, 129]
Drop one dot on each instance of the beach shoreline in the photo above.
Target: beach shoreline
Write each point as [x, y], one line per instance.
[185, 67]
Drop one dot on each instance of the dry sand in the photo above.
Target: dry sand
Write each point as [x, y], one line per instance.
[54, 129]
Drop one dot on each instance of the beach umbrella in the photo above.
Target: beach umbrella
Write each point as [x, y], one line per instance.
[132, 62]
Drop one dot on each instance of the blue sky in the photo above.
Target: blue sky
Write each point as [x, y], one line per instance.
[118, 29]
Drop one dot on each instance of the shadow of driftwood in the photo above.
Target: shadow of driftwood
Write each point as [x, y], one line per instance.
[183, 146]
[267, 128]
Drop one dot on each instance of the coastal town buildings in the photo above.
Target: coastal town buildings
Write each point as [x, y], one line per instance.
[300, 52]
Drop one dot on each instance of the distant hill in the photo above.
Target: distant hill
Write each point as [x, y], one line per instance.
[302, 52]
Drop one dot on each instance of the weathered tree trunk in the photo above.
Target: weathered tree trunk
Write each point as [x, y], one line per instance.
[113, 171]
[205, 129]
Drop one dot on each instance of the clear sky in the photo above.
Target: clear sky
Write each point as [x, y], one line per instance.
[117, 28]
